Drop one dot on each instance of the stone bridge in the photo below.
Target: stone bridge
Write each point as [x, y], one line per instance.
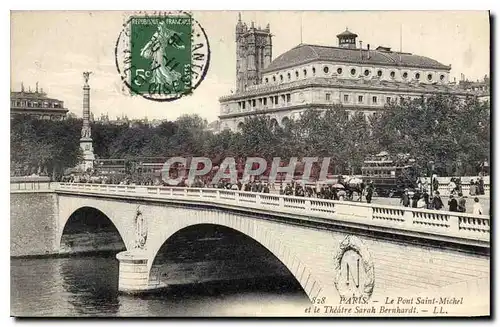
[331, 248]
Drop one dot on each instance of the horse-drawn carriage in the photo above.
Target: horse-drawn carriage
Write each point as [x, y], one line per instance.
[348, 187]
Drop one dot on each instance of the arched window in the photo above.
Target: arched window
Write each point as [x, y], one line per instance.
[405, 75]
[429, 77]
[417, 75]
[367, 72]
[393, 74]
[296, 74]
[267, 80]
[274, 78]
[314, 71]
[353, 71]
[379, 73]
[305, 72]
[289, 76]
[441, 77]
[281, 78]
[326, 69]
[339, 71]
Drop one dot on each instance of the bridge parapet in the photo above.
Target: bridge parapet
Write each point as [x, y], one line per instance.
[443, 225]
[33, 186]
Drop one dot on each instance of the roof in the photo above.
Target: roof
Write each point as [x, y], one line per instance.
[32, 95]
[305, 53]
[347, 33]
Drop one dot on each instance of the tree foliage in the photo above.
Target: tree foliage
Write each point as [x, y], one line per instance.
[452, 132]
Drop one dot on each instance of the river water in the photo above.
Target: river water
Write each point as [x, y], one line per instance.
[87, 285]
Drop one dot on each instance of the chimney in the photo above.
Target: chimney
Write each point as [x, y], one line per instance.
[368, 48]
[361, 49]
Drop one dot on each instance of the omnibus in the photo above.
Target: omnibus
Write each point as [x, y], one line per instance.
[391, 174]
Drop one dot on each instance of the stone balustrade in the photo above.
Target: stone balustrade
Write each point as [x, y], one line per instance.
[32, 186]
[440, 224]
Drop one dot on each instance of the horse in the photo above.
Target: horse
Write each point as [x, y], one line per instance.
[357, 186]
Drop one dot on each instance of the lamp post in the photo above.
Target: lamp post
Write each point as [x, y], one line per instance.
[430, 166]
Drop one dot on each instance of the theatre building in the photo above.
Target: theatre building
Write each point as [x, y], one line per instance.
[360, 78]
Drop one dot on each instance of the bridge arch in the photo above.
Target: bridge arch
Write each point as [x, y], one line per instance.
[269, 239]
[105, 214]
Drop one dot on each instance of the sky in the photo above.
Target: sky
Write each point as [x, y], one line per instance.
[55, 47]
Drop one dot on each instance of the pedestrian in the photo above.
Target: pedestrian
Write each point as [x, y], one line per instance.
[477, 209]
[452, 186]
[437, 203]
[472, 188]
[405, 198]
[266, 188]
[461, 203]
[435, 183]
[369, 192]
[480, 185]
[342, 194]
[425, 196]
[452, 204]
[421, 204]
[281, 189]
[415, 198]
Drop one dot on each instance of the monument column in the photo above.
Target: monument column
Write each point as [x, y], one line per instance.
[86, 139]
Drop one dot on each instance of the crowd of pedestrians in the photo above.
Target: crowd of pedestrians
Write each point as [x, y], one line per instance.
[418, 198]
[457, 202]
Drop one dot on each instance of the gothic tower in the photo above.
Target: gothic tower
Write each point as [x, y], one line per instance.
[253, 54]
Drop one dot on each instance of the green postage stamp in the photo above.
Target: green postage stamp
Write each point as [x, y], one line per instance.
[164, 55]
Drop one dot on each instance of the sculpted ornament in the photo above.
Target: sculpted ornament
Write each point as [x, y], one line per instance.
[141, 230]
[354, 268]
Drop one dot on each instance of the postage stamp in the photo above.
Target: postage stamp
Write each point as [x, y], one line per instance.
[162, 56]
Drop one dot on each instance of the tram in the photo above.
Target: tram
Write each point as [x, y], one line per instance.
[391, 174]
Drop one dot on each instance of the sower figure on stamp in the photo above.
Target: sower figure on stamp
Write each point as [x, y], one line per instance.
[156, 48]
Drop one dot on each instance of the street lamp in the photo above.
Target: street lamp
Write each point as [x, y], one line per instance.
[430, 166]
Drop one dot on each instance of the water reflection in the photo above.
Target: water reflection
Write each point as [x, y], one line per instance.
[88, 286]
[91, 283]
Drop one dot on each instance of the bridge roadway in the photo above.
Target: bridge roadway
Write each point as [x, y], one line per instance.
[397, 250]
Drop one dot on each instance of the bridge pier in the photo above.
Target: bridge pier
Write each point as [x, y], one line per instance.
[133, 277]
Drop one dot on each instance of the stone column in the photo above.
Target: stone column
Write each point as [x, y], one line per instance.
[86, 139]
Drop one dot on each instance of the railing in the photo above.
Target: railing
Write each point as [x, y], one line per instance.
[32, 186]
[441, 223]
